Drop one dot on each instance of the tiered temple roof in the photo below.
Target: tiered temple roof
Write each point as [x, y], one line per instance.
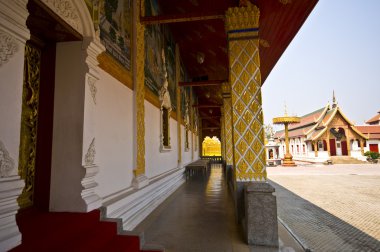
[315, 124]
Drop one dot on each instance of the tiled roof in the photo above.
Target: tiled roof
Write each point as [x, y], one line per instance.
[279, 134]
[308, 119]
[316, 133]
[327, 117]
[368, 128]
[376, 118]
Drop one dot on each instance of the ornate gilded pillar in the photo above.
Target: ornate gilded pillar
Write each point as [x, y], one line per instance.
[328, 142]
[362, 147]
[315, 148]
[139, 94]
[222, 135]
[242, 26]
[192, 131]
[179, 119]
[249, 158]
[348, 140]
[227, 110]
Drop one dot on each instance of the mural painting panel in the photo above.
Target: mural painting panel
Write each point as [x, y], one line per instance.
[113, 22]
[158, 38]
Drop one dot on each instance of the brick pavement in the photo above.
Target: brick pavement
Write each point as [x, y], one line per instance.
[330, 208]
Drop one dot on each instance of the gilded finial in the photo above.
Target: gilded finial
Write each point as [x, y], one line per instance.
[334, 103]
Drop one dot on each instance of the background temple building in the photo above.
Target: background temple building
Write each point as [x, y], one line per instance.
[323, 134]
[103, 103]
[372, 131]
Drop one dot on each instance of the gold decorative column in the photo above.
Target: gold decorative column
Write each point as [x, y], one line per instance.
[222, 135]
[348, 140]
[315, 148]
[139, 89]
[178, 90]
[192, 131]
[362, 146]
[29, 123]
[242, 25]
[227, 110]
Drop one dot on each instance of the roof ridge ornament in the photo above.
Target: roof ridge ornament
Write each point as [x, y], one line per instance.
[334, 102]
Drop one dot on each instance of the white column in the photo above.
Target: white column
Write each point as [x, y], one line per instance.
[13, 36]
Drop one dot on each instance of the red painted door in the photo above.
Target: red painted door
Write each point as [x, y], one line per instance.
[344, 148]
[332, 147]
[374, 147]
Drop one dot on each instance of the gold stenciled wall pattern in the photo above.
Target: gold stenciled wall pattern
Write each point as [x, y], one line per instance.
[140, 92]
[245, 78]
[29, 121]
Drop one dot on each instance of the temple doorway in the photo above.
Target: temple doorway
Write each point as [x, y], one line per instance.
[38, 103]
[211, 146]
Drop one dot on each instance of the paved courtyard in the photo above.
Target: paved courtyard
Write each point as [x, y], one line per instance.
[330, 208]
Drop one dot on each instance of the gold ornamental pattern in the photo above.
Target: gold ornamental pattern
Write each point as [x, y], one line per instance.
[29, 123]
[140, 92]
[247, 115]
[242, 25]
[228, 130]
[239, 18]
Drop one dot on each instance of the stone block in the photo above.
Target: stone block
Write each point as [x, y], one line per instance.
[261, 227]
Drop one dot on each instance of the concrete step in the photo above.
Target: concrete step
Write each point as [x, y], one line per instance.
[346, 160]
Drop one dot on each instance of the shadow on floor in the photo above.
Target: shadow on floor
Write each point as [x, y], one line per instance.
[316, 228]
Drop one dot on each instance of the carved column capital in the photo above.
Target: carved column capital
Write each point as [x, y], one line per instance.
[242, 18]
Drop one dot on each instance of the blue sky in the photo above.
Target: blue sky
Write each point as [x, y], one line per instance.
[337, 48]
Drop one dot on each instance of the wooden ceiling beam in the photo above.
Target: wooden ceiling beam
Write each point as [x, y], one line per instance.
[211, 128]
[180, 18]
[202, 83]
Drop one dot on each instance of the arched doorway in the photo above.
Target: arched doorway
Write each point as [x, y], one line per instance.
[211, 146]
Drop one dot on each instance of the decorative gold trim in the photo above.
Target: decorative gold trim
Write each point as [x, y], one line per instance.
[178, 91]
[115, 69]
[29, 123]
[140, 91]
[240, 18]
[249, 158]
[286, 119]
[264, 43]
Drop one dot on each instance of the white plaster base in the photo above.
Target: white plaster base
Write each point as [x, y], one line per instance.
[10, 190]
[140, 181]
[92, 200]
[134, 206]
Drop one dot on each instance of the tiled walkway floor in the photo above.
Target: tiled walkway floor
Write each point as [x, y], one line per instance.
[200, 216]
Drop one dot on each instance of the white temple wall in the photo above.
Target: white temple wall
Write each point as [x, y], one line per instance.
[11, 83]
[114, 140]
[157, 162]
[13, 35]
